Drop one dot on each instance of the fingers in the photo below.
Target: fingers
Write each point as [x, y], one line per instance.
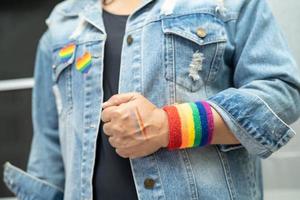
[107, 129]
[125, 142]
[118, 99]
[134, 152]
[109, 113]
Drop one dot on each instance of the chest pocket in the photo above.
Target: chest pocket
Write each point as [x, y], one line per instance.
[69, 81]
[193, 48]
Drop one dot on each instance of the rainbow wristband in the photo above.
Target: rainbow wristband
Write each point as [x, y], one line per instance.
[174, 127]
[190, 124]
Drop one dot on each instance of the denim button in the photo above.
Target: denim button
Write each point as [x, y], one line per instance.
[201, 32]
[149, 183]
[129, 39]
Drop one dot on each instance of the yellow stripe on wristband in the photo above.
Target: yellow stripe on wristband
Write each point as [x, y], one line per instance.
[184, 124]
[190, 123]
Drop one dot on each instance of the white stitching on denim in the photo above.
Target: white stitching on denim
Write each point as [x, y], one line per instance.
[271, 110]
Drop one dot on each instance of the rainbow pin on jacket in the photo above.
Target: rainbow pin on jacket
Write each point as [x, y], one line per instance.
[84, 63]
[67, 52]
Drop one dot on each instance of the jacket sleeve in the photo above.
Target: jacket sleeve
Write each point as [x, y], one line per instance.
[44, 178]
[265, 96]
[45, 160]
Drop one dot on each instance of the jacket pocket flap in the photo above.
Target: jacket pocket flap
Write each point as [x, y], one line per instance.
[201, 28]
[27, 186]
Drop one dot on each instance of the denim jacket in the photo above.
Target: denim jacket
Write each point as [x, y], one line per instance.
[246, 72]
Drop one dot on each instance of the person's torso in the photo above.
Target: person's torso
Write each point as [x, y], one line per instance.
[163, 40]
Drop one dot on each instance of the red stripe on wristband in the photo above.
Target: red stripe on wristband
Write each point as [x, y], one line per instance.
[174, 127]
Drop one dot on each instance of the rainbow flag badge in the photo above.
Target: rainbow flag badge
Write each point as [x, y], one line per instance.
[84, 63]
[67, 52]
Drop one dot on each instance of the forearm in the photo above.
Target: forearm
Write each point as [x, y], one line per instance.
[194, 124]
[222, 134]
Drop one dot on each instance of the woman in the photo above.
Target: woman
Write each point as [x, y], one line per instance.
[205, 90]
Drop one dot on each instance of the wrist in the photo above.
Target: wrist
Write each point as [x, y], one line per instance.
[163, 126]
[165, 130]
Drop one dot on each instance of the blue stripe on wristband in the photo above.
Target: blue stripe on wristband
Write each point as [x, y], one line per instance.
[204, 123]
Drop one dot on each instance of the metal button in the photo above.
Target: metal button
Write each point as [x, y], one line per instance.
[201, 32]
[149, 183]
[129, 39]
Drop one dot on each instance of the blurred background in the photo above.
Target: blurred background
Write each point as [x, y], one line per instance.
[22, 24]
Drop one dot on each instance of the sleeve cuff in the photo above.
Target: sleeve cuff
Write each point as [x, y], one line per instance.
[252, 122]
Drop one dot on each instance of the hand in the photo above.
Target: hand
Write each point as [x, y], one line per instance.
[134, 125]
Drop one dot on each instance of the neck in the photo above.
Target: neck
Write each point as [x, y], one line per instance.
[120, 7]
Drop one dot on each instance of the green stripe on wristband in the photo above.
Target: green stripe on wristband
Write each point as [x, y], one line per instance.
[197, 124]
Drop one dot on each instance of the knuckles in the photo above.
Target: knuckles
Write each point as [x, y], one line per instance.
[116, 113]
[122, 153]
[106, 128]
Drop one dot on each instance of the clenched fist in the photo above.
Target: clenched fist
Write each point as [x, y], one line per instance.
[134, 125]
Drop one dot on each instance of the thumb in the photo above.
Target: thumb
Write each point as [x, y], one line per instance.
[118, 99]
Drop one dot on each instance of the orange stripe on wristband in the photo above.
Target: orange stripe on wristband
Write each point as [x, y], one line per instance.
[184, 124]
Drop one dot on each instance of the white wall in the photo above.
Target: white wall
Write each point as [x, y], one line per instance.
[282, 169]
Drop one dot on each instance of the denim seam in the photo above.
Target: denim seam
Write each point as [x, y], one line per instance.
[98, 127]
[159, 175]
[218, 61]
[212, 63]
[191, 177]
[200, 11]
[287, 135]
[154, 160]
[84, 153]
[86, 41]
[69, 89]
[270, 109]
[227, 174]
[284, 138]
[173, 68]
[234, 17]
[134, 179]
[22, 194]
[169, 82]
[142, 60]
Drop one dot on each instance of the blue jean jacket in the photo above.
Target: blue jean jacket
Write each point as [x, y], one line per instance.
[246, 72]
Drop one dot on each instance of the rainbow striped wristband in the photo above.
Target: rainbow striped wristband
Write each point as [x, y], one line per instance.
[190, 124]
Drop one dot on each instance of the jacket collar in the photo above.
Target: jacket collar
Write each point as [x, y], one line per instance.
[91, 11]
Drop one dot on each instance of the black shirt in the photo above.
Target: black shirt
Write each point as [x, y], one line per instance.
[112, 175]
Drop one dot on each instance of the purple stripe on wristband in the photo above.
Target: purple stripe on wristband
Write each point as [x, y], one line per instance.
[210, 120]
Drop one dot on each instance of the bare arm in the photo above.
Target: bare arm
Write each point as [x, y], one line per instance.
[222, 134]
